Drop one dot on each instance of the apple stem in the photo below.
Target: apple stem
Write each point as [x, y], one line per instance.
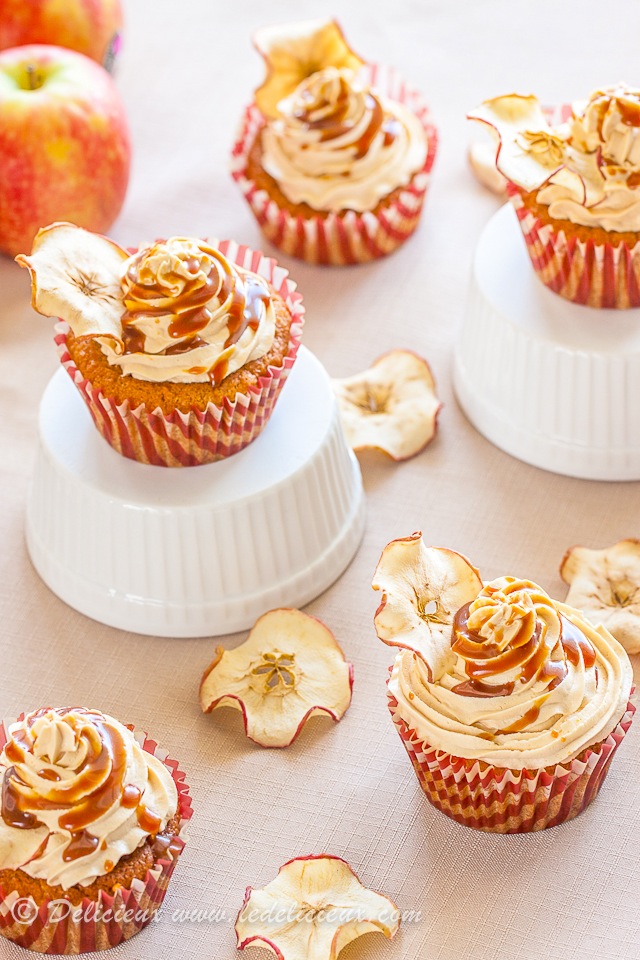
[31, 77]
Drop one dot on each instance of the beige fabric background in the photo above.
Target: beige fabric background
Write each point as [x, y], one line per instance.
[572, 892]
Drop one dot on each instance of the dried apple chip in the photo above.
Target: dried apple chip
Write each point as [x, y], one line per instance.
[422, 589]
[75, 275]
[293, 51]
[312, 909]
[529, 152]
[518, 123]
[605, 585]
[289, 668]
[481, 157]
[392, 406]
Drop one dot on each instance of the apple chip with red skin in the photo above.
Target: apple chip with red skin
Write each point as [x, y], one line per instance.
[422, 589]
[530, 152]
[314, 907]
[481, 157]
[75, 275]
[289, 668]
[294, 51]
[391, 407]
[517, 123]
[605, 585]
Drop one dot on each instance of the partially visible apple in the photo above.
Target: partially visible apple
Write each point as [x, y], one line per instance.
[91, 27]
[64, 144]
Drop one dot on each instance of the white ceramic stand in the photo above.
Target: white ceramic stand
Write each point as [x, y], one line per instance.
[198, 551]
[550, 382]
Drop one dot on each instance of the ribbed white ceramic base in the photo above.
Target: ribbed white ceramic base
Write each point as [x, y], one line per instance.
[550, 382]
[199, 551]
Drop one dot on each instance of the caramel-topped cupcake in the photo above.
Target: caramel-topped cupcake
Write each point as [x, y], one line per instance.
[509, 704]
[90, 817]
[337, 145]
[334, 155]
[575, 185]
[179, 351]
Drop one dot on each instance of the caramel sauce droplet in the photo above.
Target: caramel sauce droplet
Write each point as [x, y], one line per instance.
[149, 822]
[132, 338]
[377, 116]
[629, 111]
[183, 346]
[131, 796]
[81, 844]
[576, 645]
[50, 775]
[164, 846]
[14, 812]
[219, 370]
[13, 753]
[526, 719]
[476, 688]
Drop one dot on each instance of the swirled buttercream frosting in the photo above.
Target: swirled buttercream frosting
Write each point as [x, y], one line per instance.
[190, 315]
[175, 311]
[586, 169]
[531, 683]
[338, 145]
[78, 794]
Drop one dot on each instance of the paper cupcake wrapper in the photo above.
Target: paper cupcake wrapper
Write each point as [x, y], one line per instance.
[201, 436]
[594, 274]
[349, 237]
[110, 920]
[499, 800]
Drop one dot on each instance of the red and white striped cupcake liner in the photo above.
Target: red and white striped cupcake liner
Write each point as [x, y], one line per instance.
[59, 927]
[594, 274]
[499, 800]
[180, 439]
[346, 237]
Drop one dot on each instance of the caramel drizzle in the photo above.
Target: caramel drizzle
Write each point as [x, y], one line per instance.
[527, 650]
[484, 659]
[243, 313]
[242, 295]
[99, 784]
[532, 656]
[332, 125]
[329, 122]
[188, 308]
[629, 110]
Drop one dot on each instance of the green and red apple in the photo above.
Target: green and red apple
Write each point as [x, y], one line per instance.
[91, 27]
[64, 144]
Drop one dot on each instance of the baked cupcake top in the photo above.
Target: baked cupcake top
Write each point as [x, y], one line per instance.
[585, 169]
[78, 794]
[175, 311]
[338, 145]
[331, 141]
[497, 672]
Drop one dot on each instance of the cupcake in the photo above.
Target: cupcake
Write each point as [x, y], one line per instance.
[509, 704]
[575, 186]
[91, 828]
[179, 350]
[334, 155]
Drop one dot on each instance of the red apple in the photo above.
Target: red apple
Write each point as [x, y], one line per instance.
[64, 144]
[91, 27]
